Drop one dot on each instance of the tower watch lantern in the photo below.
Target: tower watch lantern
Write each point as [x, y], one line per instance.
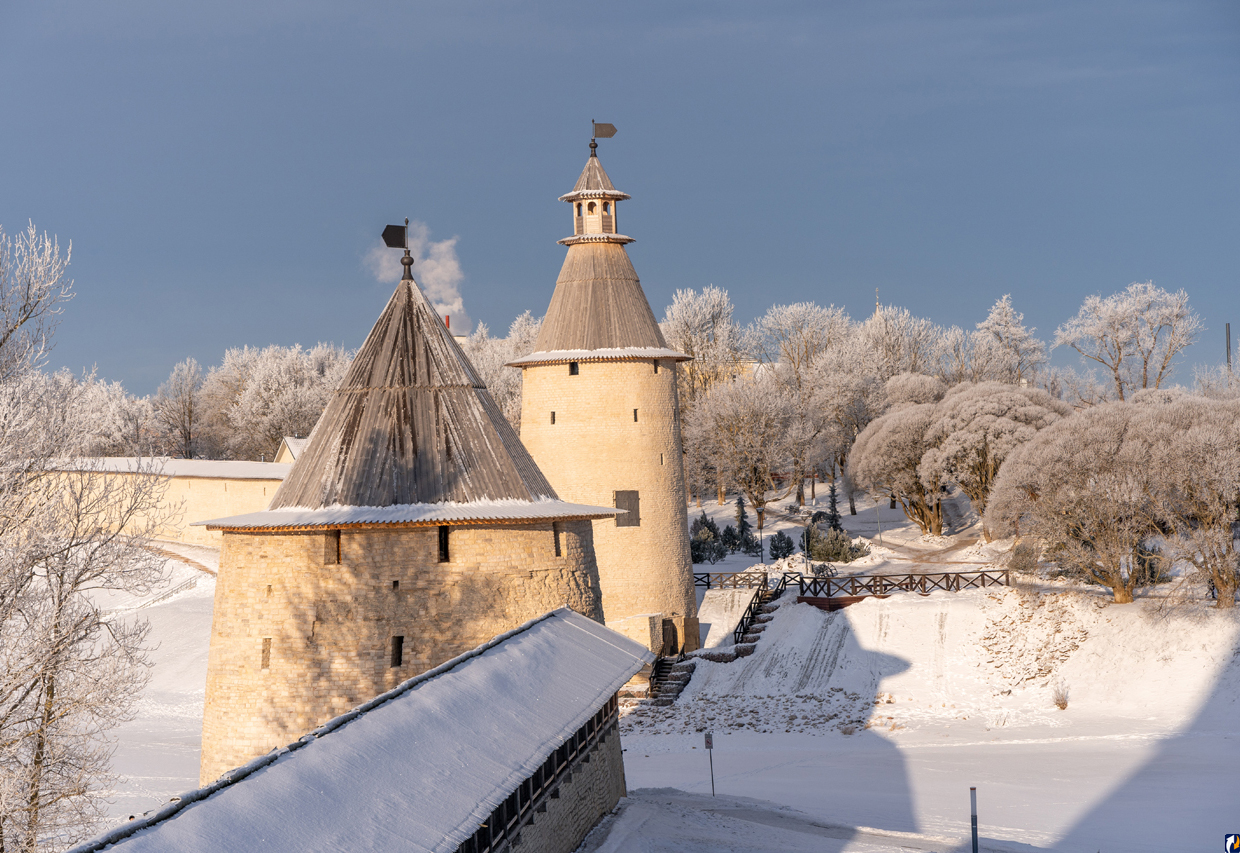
[600, 416]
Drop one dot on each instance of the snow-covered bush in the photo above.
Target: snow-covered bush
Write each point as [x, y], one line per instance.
[834, 546]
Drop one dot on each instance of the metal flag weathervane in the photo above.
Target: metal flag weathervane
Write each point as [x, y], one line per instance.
[602, 130]
[397, 237]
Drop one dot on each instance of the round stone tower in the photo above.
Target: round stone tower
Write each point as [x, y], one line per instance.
[413, 527]
[600, 416]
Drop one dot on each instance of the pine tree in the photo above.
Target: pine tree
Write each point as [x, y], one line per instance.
[833, 510]
[743, 527]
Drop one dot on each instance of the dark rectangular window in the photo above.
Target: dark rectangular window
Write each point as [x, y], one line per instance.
[398, 651]
[331, 548]
[656, 366]
[443, 543]
[635, 416]
[266, 664]
[395, 585]
[631, 501]
[573, 368]
[553, 417]
[555, 533]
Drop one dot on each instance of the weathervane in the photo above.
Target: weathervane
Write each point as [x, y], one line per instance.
[602, 130]
[397, 237]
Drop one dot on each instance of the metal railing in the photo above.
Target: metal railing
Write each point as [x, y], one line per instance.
[742, 627]
[863, 585]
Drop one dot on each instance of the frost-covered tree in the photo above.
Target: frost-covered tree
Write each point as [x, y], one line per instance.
[33, 292]
[1086, 487]
[1135, 336]
[887, 459]
[701, 325]
[744, 426]
[976, 427]
[68, 671]
[1008, 350]
[286, 391]
[178, 410]
[894, 341]
[490, 357]
[911, 389]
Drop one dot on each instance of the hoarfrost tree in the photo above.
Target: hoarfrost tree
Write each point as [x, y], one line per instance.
[68, 672]
[701, 325]
[1135, 336]
[887, 458]
[976, 427]
[286, 390]
[1086, 487]
[1009, 350]
[33, 292]
[490, 357]
[897, 342]
[178, 410]
[789, 340]
[746, 423]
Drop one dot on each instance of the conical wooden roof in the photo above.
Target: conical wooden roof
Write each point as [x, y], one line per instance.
[594, 183]
[411, 424]
[598, 304]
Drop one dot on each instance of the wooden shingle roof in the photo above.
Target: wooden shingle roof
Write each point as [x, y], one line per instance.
[411, 423]
[594, 183]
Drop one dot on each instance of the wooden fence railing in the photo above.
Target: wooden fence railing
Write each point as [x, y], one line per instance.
[861, 585]
[730, 580]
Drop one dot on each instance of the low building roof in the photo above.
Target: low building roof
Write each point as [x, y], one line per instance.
[409, 515]
[416, 769]
[216, 469]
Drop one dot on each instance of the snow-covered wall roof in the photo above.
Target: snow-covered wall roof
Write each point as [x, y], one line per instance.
[218, 469]
[416, 769]
[614, 354]
[505, 509]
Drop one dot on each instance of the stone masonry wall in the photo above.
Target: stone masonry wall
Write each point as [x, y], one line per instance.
[594, 791]
[191, 499]
[330, 625]
[595, 448]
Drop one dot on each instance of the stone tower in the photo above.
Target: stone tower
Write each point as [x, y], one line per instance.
[413, 527]
[601, 418]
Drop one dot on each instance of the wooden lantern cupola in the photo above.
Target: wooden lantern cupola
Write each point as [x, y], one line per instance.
[594, 202]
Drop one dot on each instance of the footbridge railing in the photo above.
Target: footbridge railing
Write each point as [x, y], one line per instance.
[868, 585]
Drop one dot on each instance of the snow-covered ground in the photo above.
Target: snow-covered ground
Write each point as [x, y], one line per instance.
[940, 693]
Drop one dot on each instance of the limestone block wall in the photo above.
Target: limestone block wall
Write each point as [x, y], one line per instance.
[189, 499]
[594, 791]
[298, 637]
[594, 448]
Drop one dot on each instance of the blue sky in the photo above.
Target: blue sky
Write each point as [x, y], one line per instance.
[224, 169]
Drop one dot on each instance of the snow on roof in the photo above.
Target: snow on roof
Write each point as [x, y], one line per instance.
[219, 469]
[507, 509]
[416, 769]
[294, 445]
[616, 354]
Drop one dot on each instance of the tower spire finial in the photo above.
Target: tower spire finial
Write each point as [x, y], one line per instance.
[397, 237]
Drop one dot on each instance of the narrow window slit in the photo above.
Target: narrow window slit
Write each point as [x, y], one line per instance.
[398, 651]
[443, 543]
[266, 663]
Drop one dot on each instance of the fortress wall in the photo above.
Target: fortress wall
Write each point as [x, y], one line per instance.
[330, 625]
[595, 448]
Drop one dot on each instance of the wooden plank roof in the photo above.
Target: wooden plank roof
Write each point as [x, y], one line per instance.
[594, 183]
[598, 303]
[411, 423]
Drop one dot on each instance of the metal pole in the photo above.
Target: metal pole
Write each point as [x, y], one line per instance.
[710, 751]
[1229, 347]
[973, 808]
[877, 504]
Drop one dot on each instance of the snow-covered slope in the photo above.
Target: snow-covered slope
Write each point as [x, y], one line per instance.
[883, 714]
